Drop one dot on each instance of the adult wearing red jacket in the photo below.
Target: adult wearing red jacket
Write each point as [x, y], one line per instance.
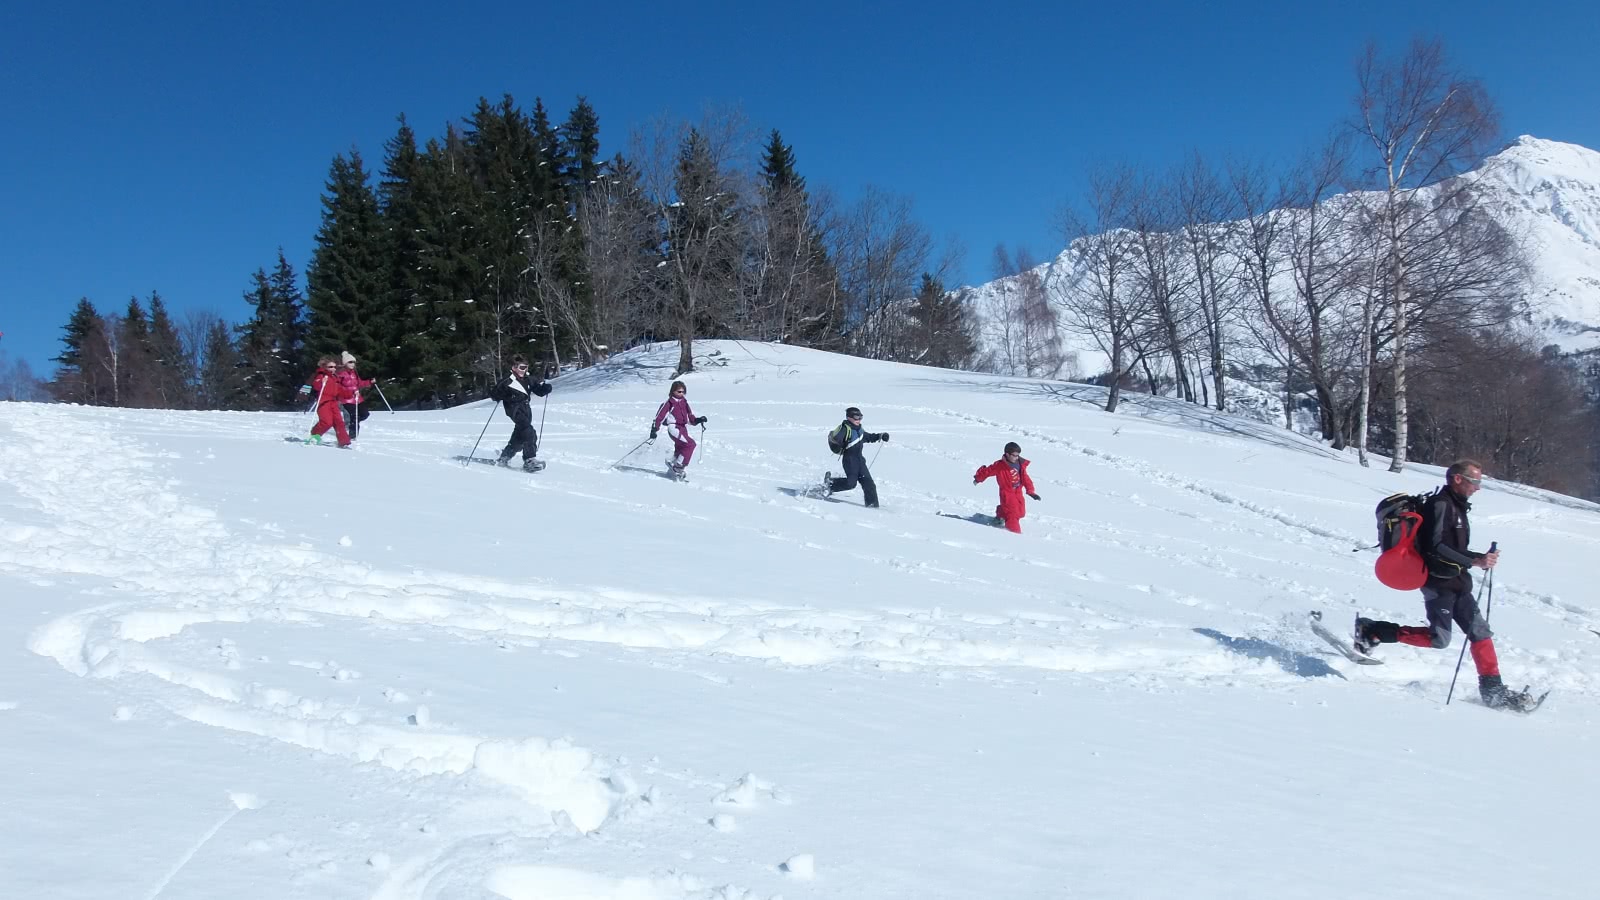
[1010, 472]
[330, 393]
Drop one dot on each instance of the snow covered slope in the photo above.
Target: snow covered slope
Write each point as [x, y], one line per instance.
[232, 666]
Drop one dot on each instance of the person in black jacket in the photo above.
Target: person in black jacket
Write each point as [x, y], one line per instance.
[849, 436]
[513, 392]
[1447, 594]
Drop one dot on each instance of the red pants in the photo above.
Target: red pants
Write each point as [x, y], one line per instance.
[329, 415]
[1011, 517]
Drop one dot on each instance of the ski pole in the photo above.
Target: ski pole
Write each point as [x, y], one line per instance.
[1494, 546]
[318, 404]
[381, 396]
[474, 451]
[632, 452]
[702, 442]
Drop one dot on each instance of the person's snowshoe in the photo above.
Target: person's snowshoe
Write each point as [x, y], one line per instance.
[1363, 639]
[1496, 695]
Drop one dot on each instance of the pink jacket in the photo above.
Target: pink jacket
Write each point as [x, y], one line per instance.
[354, 383]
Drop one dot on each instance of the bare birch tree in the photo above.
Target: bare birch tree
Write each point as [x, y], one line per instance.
[1426, 123]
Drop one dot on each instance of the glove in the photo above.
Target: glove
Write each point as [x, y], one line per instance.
[976, 481]
[884, 436]
[700, 421]
[305, 390]
[652, 433]
[1034, 496]
[542, 389]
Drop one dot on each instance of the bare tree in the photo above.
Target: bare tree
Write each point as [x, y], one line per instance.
[1206, 208]
[696, 177]
[622, 238]
[1097, 299]
[1426, 124]
[882, 252]
[1019, 320]
[1160, 275]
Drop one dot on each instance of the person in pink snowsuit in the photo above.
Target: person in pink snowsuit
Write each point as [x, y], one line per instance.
[676, 407]
[1010, 471]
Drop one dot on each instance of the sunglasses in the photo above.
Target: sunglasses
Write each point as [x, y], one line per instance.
[519, 368]
[1470, 480]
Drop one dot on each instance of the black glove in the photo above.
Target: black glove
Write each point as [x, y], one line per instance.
[884, 436]
[542, 389]
[652, 432]
[1034, 496]
[976, 481]
[699, 421]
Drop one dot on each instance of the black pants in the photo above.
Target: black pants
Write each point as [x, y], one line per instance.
[524, 440]
[354, 415]
[1447, 604]
[855, 472]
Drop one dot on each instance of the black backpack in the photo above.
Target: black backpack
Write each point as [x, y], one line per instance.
[836, 439]
[1390, 514]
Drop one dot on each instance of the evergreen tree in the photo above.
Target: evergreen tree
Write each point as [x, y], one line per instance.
[943, 335]
[272, 350]
[579, 152]
[171, 376]
[219, 372]
[81, 376]
[345, 280]
[704, 245]
[409, 353]
[134, 361]
[798, 300]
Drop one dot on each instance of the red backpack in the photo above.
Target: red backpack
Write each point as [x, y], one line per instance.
[1401, 565]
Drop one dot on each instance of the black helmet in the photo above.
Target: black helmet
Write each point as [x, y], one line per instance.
[852, 412]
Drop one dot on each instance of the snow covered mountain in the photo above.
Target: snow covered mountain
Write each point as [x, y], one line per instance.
[1545, 191]
[234, 666]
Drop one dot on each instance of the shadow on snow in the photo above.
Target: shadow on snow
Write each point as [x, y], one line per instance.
[1294, 663]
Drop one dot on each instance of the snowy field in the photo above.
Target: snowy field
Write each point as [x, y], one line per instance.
[236, 667]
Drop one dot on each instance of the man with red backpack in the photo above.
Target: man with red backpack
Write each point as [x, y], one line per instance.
[1447, 594]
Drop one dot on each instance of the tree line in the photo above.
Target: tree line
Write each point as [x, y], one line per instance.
[510, 235]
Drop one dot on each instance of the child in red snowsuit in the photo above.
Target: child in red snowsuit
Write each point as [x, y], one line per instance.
[330, 393]
[1010, 472]
[677, 407]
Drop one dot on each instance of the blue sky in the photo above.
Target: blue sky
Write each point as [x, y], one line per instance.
[176, 146]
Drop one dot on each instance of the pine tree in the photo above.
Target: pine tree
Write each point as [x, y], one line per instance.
[80, 377]
[408, 352]
[219, 374]
[704, 246]
[943, 335]
[345, 280]
[135, 363]
[798, 300]
[272, 344]
[579, 152]
[171, 377]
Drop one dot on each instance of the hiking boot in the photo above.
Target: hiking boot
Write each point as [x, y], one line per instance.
[314, 439]
[1362, 638]
[827, 484]
[532, 465]
[503, 462]
[1496, 695]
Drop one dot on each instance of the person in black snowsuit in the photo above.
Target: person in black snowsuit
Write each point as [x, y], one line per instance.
[513, 392]
[850, 437]
[1447, 595]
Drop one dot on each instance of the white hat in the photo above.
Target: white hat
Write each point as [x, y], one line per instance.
[346, 358]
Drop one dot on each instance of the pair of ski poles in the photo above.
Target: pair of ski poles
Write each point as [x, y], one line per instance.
[651, 440]
[474, 451]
